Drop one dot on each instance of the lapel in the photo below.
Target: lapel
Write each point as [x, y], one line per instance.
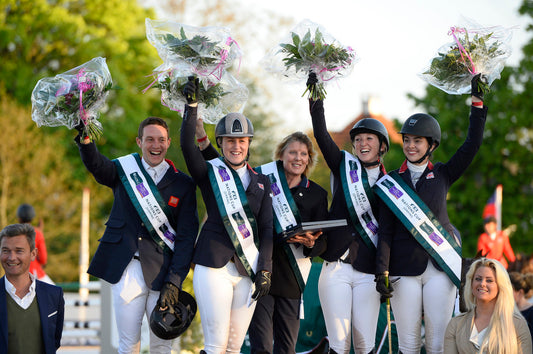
[3, 314]
[254, 186]
[44, 307]
[169, 176]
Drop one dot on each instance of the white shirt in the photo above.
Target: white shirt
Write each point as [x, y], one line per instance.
[373, 174]
[156, 172]
[244, 175]
[416, 171]
[26, 301]
[476, 337]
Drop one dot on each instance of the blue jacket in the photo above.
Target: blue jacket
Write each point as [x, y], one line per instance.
[214, 247]
[333, 244]
[126, 234]
[398, 251]
[51, 310]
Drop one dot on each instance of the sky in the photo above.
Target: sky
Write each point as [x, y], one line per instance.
[394, 40]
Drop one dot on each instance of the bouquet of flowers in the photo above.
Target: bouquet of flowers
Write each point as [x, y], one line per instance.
[310, 49]
[216, 98]
[73, 97]
[206, 51]
[473, 50]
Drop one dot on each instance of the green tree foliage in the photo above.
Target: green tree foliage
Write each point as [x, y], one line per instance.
[507, 146]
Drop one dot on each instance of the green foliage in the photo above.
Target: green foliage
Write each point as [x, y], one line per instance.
[198, 50]
[210, 95]
[307, 53]
[454, 68]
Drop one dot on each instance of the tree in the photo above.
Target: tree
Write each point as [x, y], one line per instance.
[506, 147]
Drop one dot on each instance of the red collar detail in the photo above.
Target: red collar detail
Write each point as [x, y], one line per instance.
[403, 168]
[172, 165]
[251, 169]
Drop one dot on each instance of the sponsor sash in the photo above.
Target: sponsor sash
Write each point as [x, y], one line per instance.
[286, 217]
[416, 216]
[144, 195]
[236, 214]
[359, 198]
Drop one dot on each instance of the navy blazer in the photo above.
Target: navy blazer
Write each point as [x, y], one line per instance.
[214, 247]
[398, 251]
[335, 242]
[312, 203]
[51, 310]
[126, 234]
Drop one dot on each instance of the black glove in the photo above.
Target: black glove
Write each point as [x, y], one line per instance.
[477, 80]
[262, 284]
[191, 90]
[311, 79]
[81, 130]
[382, 288]
[169, 296]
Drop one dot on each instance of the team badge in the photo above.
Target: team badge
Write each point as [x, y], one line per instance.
[173, 201]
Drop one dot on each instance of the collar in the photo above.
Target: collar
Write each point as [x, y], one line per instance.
[404, 167]
[251, 169]
[304, 183]
[28, 298]
[159, 169]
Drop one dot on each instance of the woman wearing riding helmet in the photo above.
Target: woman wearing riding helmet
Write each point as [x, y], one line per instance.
[418, 244]
[234, 248]
[276, 321]
[349, 300]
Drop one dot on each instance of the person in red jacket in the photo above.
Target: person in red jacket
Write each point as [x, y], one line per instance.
[25, 215]
[494, 243]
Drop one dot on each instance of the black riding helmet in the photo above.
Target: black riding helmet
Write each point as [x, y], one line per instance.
[422, 124]
[372, 126]
[169, 324]
[25, 213]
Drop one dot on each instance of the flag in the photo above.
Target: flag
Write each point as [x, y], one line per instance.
[494, 206]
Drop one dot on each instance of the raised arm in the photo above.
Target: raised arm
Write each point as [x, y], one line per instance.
[330, 150]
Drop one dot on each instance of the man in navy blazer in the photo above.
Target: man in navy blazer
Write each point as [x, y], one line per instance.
[130, 255]
[31, 311]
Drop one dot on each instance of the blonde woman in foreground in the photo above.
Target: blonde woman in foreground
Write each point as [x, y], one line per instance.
[492, 324]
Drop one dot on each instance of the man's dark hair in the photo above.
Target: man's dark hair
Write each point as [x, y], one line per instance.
[17, 230]
[151, 121]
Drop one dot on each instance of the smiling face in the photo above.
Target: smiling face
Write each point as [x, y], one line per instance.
[154, 144]
[235, 150]
[295, 158]
[16, 256]
[367, 147]
[484, 286]
[414, 147]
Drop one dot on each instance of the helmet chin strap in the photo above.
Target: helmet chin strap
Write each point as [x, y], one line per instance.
[370, 164]
[428, 153]
[233, 164]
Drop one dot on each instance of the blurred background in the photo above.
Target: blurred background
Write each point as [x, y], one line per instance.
[394, 41]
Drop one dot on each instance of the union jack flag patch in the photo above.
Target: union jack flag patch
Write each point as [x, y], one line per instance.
[173, 201]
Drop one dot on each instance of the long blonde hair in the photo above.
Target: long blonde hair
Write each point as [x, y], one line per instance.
[501, 337]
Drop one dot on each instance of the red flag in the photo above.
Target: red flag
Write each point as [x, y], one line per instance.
[494, 206]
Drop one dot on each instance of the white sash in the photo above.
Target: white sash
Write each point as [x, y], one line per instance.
[231, 201]
[423, 225]
[146, 199]
[286, 217]
[358, 199]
